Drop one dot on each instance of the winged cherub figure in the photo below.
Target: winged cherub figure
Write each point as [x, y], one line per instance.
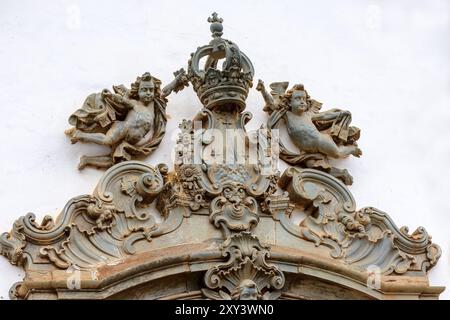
[318, 135]
[131, 122]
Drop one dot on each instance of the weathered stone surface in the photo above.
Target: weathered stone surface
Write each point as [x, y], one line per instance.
[319, 136]
[131, 122]
[224, 229]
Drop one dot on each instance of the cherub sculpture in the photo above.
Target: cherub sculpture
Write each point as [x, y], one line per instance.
[318, 135]
[131, 122]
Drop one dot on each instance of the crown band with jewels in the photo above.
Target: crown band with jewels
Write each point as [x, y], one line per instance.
[228, 86]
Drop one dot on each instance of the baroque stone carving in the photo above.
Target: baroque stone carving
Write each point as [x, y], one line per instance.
[97, 229]
[246, 275]
[318, 135]
[220, 224]
[131, 122]
[229, 185]
[362, 238]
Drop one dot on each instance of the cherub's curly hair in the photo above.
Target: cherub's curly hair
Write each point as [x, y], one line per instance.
[285, 99]
[145, 77]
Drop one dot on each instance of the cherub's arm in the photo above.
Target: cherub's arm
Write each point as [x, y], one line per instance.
[270, 103]
[118, 99]
[329, 115]
[177, 84]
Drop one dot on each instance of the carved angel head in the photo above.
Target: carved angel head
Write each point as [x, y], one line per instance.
[146, 88]
[247, 290]
[296, 99]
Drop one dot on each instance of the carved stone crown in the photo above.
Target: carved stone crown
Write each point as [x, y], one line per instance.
[226, 86]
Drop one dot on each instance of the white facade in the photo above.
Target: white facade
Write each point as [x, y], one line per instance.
[386, 62]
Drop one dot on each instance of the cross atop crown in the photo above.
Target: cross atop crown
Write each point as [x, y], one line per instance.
[216, 25]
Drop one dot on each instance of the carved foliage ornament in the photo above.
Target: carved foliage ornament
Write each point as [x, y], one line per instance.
[246, 275]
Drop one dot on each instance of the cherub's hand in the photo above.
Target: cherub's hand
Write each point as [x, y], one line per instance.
[260, 86]
[181, 81]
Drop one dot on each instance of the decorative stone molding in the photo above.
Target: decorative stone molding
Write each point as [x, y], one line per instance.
[104, 235]
[93, 230]
[362, 238]
[224, 229]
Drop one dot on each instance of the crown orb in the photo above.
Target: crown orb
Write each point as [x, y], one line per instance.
[216, 28]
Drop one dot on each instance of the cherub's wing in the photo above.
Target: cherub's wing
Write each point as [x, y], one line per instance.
[279, 87]
[315, 106]
[99, 112]
[94, 116]
[278, 90]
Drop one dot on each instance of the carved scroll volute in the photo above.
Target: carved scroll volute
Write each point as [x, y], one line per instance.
[151, 184]
[132, 179]
[305, 185]
[105, 224]
[356, 237]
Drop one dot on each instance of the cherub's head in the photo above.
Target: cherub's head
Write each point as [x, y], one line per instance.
[296, 99]
[247, 290]
[145, 88]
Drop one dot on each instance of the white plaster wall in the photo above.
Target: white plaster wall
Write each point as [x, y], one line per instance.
[386, 61]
